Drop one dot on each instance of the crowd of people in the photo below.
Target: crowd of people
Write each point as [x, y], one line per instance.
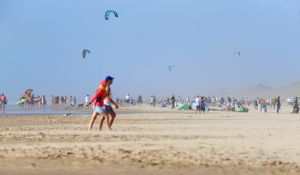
[29, 99]
[199, 103]
[275, 103]
[63, 100]
[203, 103]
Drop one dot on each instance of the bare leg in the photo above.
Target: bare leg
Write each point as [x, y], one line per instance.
[92, 121]
[113, 116]
[108, 122]
[101, 122]
[103, 117]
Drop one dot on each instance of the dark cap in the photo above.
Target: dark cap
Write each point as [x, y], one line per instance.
[109, 78]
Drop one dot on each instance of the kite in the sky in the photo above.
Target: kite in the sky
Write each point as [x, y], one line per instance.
[237, 53]
[84, 52]
[108, 12]
[171, 68]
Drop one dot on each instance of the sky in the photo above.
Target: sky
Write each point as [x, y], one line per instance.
[41, 43]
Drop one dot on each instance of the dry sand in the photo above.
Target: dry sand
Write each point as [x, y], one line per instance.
[161, 142]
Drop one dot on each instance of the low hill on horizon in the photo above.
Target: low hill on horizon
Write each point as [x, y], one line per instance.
[264, 90]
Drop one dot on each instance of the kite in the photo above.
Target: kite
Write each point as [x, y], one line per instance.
[84, 52]
[237, 53]
[171, 68]
[108, 12]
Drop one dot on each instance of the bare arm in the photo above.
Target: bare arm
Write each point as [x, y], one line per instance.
[99, 92]
[113, 102]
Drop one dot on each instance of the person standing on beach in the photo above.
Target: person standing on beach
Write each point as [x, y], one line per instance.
[197, 102]
[296, 106]
[127, 99]
[173, 100]
[202, 104]
[74, 101]
[278, 103]
[152, 103]
[44, 100]
[109, 110]
[273, 103]
[139, 100]
[99, 108]
[179, 100]
[3, 101]
[86, 99]
[27, 95]
[70, 101]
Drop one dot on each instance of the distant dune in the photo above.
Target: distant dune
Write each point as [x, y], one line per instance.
[263, 90]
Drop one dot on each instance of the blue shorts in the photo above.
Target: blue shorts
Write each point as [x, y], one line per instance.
[99, 109]
[108, 109]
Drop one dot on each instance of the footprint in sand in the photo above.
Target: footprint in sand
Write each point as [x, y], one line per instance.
[124, 151]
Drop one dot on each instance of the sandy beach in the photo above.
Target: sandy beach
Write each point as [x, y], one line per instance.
[153, 142]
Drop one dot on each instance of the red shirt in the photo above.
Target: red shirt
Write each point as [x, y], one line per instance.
[100, 95]
[3, 99]
[28, 92]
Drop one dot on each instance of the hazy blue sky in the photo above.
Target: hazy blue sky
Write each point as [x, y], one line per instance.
[41, 43]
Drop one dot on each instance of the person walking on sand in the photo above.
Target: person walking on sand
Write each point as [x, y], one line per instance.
[99, 108]
[44, 100]
[111, 115]
[127, 99]
[197, 102]
[296, 106]
[74, 101]
[202, 104]
[3, 101]
[278, 103]
[139, 101]
[87, 99]
[28, 96]
[173, 100]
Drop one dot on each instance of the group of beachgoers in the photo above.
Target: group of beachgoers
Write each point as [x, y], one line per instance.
[29, 99]
[275, 103]
[129, 101]
[39, 101]
[103, 105]
[63, 100]
[202, 104]
[263, 104]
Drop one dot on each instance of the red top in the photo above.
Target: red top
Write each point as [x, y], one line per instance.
[3, 98]
[100, 95]
[28, 92]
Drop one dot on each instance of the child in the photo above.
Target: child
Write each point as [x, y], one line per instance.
[107, 103]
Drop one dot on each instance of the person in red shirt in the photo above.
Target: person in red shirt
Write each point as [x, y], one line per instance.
[98, 100]
[3, 101]
[27, 95]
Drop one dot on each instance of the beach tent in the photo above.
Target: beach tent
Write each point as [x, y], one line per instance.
[184, 107]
